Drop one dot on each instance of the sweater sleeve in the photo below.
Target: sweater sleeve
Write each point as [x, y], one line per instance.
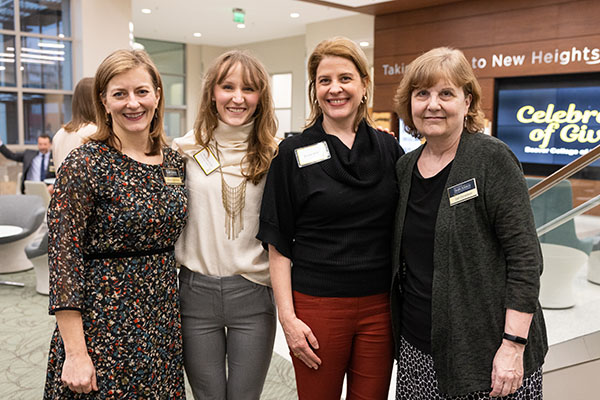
[277, 216]
[512, 219]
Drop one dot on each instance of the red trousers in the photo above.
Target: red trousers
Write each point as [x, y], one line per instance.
[355, 338]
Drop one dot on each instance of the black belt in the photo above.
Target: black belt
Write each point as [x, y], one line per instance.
[127, 254]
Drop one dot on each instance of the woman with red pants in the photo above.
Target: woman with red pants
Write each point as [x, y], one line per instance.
[328, 209]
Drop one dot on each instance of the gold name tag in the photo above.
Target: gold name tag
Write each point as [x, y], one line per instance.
[312, 154]
[172, 177]
[206, 160]
[462, 192]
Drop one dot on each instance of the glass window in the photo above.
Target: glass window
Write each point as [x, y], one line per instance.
[174, 122]
[174, 87]
[284, 117]
[9, 125]
[7, 15]
[169, 57]
[46, 63]
[8, 77]
[46, 17]
[44, 113]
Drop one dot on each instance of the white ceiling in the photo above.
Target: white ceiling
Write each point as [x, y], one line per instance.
[177, 20]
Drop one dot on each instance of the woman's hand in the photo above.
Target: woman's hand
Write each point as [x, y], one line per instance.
[301, 341]
[79, 374]
[507, 369]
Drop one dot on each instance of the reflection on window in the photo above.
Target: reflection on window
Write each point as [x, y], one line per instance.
[9, 126]
[282, 98]
[47, 17]
[174, 122]
[8, 76]
[44, 113]
[46, 63]
[7, 15]
[174, 90]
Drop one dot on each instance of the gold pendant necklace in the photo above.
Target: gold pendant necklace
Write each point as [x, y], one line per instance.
[234, 200]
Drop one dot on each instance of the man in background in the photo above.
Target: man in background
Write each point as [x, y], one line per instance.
[37, 165]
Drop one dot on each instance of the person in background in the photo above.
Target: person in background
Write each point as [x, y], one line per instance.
[37, 164]
[82, 123]
[328, 209]
[227, 308]
[118, 208]
[467, 260]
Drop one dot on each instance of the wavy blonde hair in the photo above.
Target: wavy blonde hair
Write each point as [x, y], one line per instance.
[261, 141]
[441, 63]
[339, 46]
[117, 63]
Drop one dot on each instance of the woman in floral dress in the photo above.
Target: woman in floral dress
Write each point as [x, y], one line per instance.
[118, 209]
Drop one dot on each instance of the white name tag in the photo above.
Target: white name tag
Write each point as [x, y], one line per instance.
[462, 192]
[312, 154]
[207, 160]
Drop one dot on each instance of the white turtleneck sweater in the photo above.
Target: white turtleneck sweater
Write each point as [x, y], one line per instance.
[203, 245]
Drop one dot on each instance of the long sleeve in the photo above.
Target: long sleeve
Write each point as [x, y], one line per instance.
[6, 152]
[70, 208]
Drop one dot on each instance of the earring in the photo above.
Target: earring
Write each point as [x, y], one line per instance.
[364, 98]
[465, 122]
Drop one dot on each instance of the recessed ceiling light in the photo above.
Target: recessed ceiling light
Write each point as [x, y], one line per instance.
[294, 15]
[61, 35]
[241, 26]
[197, 34]
[146, 10]
[364, 44]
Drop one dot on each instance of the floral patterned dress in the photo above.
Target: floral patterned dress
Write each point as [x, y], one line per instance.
[112, 225]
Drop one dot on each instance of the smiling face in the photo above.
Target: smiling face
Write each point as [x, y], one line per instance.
[235, 100]
[439, 110]
[339, 90]
[131, 101]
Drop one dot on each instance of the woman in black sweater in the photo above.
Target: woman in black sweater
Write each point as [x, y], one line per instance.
[328, 209]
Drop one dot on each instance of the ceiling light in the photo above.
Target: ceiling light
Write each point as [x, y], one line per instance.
[2, 67]
[294, 15]
[197, 34]
[364, 44]
[241, 26]
[51, 45]
[146, 11]
[61, 35]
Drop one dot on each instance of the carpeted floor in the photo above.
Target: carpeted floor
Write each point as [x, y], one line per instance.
[25, 330]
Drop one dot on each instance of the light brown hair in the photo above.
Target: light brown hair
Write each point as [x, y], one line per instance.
[339, 46]
[261, 141]
[117, 63]
[82, 106]
[442, 63]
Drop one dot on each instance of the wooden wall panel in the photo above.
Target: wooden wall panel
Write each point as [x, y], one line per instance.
[519, 30]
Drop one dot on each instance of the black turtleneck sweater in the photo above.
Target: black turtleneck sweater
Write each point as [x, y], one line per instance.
[334, 219]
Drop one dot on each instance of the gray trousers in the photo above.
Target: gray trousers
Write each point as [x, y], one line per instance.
[226, 317]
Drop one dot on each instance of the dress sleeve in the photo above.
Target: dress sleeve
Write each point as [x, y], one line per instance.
[512, 219]
[277, 212]
[69, 211]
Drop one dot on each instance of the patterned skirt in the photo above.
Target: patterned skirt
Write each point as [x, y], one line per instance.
[417, 380]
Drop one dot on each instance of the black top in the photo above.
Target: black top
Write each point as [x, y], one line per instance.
[334, 218]
[417, 252]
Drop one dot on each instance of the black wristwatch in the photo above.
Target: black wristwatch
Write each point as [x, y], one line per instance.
[513, 338]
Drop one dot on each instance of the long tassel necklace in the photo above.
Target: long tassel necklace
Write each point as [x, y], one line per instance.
[234, 200]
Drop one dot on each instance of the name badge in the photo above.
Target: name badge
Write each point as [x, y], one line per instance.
[312, 154]
[462, 192]
[206, 160]
[172, 177]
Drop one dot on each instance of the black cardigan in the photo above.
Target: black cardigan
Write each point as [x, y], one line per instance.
[487, 258]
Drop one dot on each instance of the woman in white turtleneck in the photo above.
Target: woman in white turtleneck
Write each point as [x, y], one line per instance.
[227, 307]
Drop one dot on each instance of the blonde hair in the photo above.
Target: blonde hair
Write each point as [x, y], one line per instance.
[339, 46]
[82, 106]
[116, 63]
[261, 141]
[429, 68]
